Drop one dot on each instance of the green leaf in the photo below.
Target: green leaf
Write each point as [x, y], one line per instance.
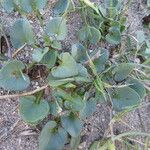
[140, 36]
[124, 98]
[122, 71]
[89, 108]
[78, 52]
[39, 53]
[101, 61]
[92, 5]
[56, 28]
[39, 4]
[32, 112]
[71, 124]
[52, 138]
[88, 33]
[110, 3]
[61, 6]
[75, 103]
[49, 59]
[25, 5]
[74, 143]
[7, 5]
[12, 73]
[114, 36]
[54, 82]
[67, 67]
[137, 86]
[56, 45]
[21, 33]
[104, 144]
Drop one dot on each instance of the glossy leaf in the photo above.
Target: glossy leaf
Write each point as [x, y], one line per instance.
[32, 112]
[71, 124]
[56, 28]
[67, 68]
[12, 73]
[124, 98]
[21, 33]
[122, 71]
[52, 138]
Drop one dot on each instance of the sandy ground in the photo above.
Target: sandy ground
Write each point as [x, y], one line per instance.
[16, 135]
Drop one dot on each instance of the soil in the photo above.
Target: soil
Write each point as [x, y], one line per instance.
[16, 135]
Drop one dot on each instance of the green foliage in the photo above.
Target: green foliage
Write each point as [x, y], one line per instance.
[12, 77]
[32, 111]
[125, 97]
[80, 79]
[56, 28]
[52, 137]
[23, 5]
[71, 124]
[21, 33]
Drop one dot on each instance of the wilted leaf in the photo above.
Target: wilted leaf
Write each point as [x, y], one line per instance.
[124, 98]
[56, 28]
[12, 78]
[52, 138]
[71, 124]
[21, 33]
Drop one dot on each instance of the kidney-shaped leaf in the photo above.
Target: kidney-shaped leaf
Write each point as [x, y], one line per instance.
[21, 33]
[32, 112]
[89, 108]
[88, 33]
[39, 53]
[122, 71]
[67, 68]
[137, 86]
[71, 124]
[61, 6]
[52, 138]
[7, 5]
[56, 28]
[124, 98]
[114, 36]
[12, 78]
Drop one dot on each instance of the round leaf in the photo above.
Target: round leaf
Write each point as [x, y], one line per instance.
[114, 36]
[125, 97]
[52, 138]
[137, 86]
[89, 108]
[67, 68]
[56, 28]
[21, 33]
[61, 6]
[71, 124]
[122, 71]
[32, 112]
[12, 73]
